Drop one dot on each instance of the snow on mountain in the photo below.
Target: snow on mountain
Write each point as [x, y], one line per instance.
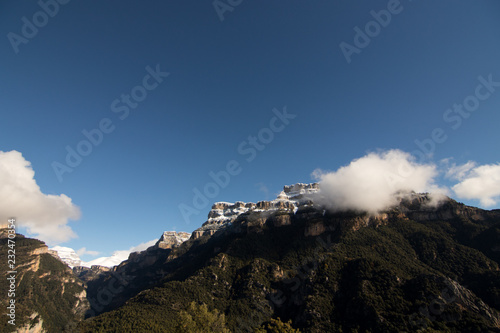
[115, 259]
[67, 255]
[171, 239]
[118, 256]
[300, 189]
[223, 214]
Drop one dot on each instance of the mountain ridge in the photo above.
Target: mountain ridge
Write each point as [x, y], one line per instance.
[47, 296]
[416, 265]
[273, 260]
[70, 257]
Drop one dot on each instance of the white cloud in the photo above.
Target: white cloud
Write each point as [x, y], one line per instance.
[84, 251]
[481, 183]
[371, 182]
[44, 215]
[459, 172]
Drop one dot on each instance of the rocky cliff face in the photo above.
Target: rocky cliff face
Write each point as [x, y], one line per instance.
[48, 297]
[35, 327]
[296, 191]
[293, 208]
[141, 270]
[420, 207]
[298, 199]
[66, 255]
[418, 265]
[89, 273]
[223, 214]
[171, 239]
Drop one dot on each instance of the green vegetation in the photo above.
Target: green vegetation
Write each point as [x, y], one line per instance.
[198, 319]
[391, 278]
[277, 326]
[401, 276]
[44, 286]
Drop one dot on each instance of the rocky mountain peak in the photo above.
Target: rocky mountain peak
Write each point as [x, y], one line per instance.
[170, 239]
[48, 297]
[223, 214]
[299, 189]
[403, 250]
[66, 255]
[300, 199]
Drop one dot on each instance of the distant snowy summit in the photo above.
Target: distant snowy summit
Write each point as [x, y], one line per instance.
[66, 255]
[115, 259]
[168, 240]
[69, 256]
[224, 213]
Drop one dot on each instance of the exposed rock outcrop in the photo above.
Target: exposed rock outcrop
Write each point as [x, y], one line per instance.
[171, 239]
[36, 326]
[421, 207]
[48, 296]
[297, 202]
[466, 299]
[312, 262]
[223, 214]
[87, 274]
[66, 255]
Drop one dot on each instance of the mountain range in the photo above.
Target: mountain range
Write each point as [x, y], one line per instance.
[292, 265]
[221, 214]
[71, 258]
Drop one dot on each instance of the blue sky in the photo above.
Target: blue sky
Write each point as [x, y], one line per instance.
[225, 78]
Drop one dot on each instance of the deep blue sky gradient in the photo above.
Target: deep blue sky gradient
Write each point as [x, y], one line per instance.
[225, 79]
